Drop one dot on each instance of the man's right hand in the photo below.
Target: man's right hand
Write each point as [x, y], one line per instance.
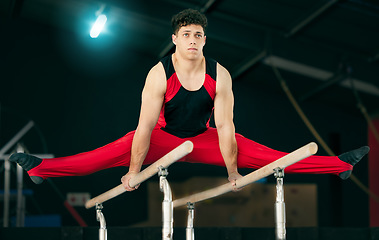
[232, 178]
[125, 181]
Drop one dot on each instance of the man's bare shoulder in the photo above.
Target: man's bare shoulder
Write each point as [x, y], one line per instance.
[157, 71]
[223, 75]
[156, 79]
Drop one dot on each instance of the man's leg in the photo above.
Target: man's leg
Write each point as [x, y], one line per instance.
[255, 155]
[206, 150]
[111, 155]
[252, 153]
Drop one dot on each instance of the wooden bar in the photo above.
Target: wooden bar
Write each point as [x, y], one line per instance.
[265, 171]
[171, 157]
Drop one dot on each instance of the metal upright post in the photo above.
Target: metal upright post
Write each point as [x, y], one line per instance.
[167, 207]
[20, 211]
[20, 197]
[7, 183]
[7, 167]
[190, 232]
[280, 211]
[100, 218]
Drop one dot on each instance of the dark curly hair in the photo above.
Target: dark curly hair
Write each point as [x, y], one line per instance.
[188, 17]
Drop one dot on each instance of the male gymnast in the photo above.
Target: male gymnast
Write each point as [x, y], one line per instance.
[180, 93]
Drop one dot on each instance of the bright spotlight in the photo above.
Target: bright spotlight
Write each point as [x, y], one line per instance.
[98, 26]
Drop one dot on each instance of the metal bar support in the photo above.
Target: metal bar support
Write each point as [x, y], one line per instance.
[7, 168]
[20, 197]
[190, 232]
[103, 225]
[280, 210]
[16, 137]
[167, 207]
[7, 183]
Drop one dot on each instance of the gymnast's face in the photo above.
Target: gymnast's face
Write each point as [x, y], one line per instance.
[189, 41]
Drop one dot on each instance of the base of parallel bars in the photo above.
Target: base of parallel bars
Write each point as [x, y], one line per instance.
[190, 232]
[103, 235]
[167, 207]
[280, 210]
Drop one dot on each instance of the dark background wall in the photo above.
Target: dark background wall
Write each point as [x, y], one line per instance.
[83, 95]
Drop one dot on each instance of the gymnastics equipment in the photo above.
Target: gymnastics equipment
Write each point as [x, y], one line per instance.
[277, 167]
[167, 208]
[7, 175]
[190, 232]
[20, 209]
[171, 157]
[159, 167]
[265, 171]
[280, 210]
[103, 235]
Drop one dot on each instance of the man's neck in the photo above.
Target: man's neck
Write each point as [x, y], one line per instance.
[187, 65]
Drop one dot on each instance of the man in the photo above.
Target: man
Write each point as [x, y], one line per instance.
[178, 98]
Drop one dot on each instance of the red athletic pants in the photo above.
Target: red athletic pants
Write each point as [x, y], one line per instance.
[206, 150]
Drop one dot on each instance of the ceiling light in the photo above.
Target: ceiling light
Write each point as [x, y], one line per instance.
[98, 26]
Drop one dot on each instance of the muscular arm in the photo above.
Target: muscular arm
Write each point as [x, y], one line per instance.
[223, 113]
[152, 100]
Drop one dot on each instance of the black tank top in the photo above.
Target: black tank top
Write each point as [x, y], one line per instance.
[187, 113]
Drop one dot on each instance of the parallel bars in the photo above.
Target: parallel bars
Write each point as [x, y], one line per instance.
[171, 157]
[262, 172]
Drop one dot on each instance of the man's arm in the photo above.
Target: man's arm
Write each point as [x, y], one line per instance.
[152, 100]
[223, 113]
